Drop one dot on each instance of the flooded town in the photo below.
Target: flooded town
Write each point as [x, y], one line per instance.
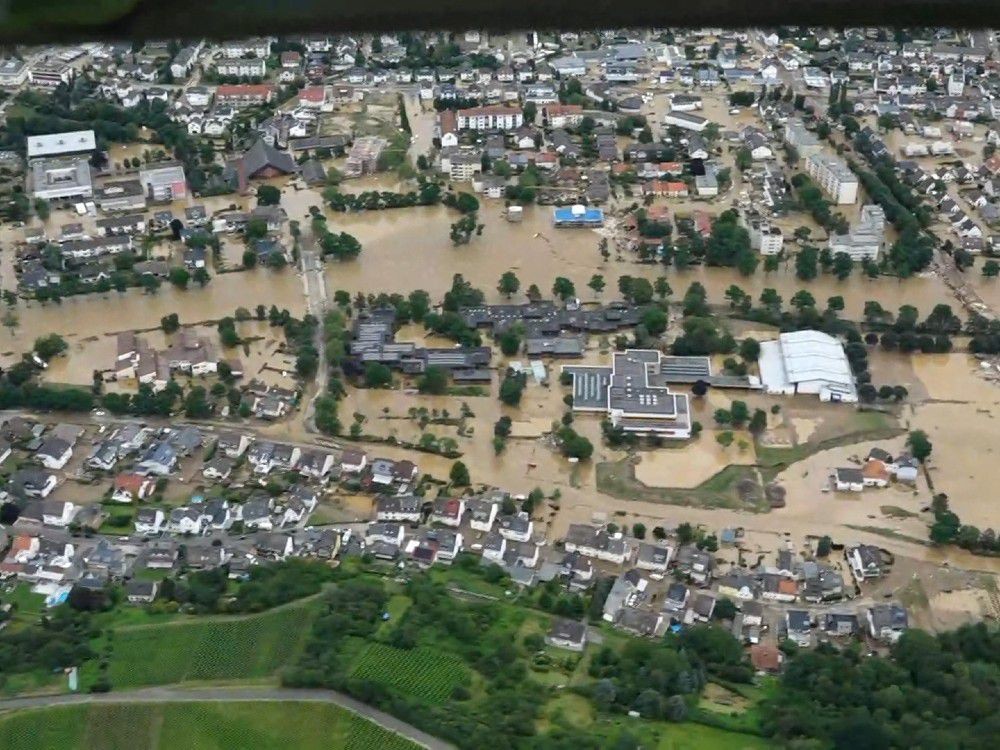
[704, 323]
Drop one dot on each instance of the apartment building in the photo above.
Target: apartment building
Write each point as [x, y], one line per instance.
[490, 118]
[834, 177]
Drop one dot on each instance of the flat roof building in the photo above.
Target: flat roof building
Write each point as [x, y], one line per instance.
[634, 394]
[807, 362]
[834, 177]
[865, 239]
[61, 144]
[66, 178]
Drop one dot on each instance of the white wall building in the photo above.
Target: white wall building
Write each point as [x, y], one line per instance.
[834, 177]
[807, 362]
[865, 239]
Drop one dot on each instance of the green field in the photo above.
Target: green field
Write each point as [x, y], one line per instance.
[424, 673]
[196, 726]
[217, 648]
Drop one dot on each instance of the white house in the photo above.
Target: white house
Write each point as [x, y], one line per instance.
[58, 512]
[149, 521]
[54, 453]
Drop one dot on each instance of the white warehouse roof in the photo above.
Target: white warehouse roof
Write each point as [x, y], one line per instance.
[55, 144]
[807, 362]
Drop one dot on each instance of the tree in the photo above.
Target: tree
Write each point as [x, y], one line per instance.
[990, 269]
[563, 288]
[196, 404]
[170, 323]
[530, 111]
[509, 284]
[802, 299]
[596, 283]
[842, 265]
[724, 609]
[10, 320]
[512, 387]
[919, 444]
[249, 258]
[758, 422]
[740, 412]
[534, 293]
[459, 474]
[42, 210]
[662, 287]
[655, 321]
[639, 530]
[377, 375]
[510, 341]
[807, 263]
[268, 195]
[750, 349]
[434, 381]
[201, 277]
[47, 347]
[179, 277]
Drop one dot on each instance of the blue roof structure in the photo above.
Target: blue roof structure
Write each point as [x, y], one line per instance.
[574, 216]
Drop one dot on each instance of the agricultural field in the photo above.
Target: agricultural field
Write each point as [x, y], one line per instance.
[424, 673]
[196, 726]
[221, 648]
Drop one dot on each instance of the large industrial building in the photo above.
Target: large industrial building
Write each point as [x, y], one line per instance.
[808, 362]
[634, 394]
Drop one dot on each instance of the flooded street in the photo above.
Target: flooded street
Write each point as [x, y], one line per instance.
[407, 249]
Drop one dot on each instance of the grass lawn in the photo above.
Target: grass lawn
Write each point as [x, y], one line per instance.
[862, 426]
[207, 649]
[196, 726]
[27, 604]
[689, 736]
[424, 673]
[617, 478]
[397, 606]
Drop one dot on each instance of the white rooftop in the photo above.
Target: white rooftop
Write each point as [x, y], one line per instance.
[805, 362]
[55, 144]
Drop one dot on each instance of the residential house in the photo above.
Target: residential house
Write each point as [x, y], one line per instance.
[54, 453]
[448, 511]
[848, 480]
[839, 624]
[161, 554]
[676, 598]
[353, 462]
[386, 532]
[32, 482]
[275, 546]
[160, 459]
[653, 557]
[404, 508]
[185, 520]
[141, 592]
[315, 464]
[149, 521]
[798, 625]
[517, 528]
[887, 622]
[257, 512]
[129, 487]
[865, 561]
[595, 541]
[766, 658]
[218, 469]
[568, 634]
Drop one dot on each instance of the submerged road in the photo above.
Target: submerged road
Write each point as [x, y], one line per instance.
[233, 695]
